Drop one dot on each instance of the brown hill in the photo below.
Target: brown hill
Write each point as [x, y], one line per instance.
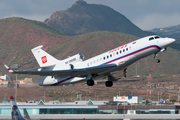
[83, 18]
[19, 36]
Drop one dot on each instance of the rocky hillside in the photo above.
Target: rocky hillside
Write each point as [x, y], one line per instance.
[171, 31]
[19, 36]
[83, 18]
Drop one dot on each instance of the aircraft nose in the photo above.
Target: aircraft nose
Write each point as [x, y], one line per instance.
[171, 41]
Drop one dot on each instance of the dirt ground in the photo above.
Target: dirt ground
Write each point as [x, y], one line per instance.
[166, 87]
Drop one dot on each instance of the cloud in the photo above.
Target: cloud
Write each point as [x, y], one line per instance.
[157, 20]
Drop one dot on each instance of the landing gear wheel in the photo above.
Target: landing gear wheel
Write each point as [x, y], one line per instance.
[157, 60]
[108, 83]
[90, 82]
[156, 57]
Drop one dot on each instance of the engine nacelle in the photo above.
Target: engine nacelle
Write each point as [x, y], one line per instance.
[74, 59]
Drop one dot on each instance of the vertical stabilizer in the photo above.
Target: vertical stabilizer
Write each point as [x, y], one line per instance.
[26, 115]
[15, 113]
[43, 58]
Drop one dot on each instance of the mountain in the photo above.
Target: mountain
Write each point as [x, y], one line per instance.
[83, 18]
[19, 36]
[171, 31]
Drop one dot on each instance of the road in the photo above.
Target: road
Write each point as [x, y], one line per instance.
[100, 116]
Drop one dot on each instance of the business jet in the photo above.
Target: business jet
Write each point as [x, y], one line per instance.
[15, 113]
[75, 69]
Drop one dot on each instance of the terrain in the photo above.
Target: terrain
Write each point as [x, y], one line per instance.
[171, 31]
[19, 36]
[167, 87]
[83, 18]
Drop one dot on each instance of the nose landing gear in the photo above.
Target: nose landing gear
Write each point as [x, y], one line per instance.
[156, 57]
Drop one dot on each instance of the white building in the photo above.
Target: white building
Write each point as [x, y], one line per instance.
[5, 77]
[134, 99]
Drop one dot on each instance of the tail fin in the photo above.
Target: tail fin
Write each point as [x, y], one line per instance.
[15, 113]
[43, 58]
[26, 115]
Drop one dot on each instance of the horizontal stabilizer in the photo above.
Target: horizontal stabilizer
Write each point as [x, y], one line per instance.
[9, 69]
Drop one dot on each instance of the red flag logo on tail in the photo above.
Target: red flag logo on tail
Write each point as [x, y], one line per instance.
[44, 59]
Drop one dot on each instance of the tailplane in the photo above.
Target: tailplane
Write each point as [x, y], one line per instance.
[43, 58]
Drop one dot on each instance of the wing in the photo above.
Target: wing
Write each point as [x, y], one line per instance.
[73, 72]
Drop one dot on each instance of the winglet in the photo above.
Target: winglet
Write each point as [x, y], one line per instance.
[9, 69]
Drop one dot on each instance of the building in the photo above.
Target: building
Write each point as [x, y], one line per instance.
[21, 81]
[129, 99]
[5, 77]
[89, 107]
[28, 80]
[77, 107]
[3, 82]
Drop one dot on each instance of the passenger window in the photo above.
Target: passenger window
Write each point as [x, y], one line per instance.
[88, 64]
[123, 50]
[107, 56]
[114, 54]
[100, 59]
[91, 63]
[117, 53]
[120, 51]
[104, 58]
[126, 49]
[110, 55]
[151, 38]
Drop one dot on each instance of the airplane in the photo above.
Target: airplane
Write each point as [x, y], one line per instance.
[15, 113]
[75, 68]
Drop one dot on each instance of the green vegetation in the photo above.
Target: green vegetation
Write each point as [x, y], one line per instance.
[19, 36]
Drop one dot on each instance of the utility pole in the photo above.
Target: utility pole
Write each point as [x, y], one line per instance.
[178, 97]
[16, 89]
[158, 96]
[136, 69]
[44, 96]
[15, 67]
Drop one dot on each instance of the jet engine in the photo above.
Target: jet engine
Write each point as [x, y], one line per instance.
[74, 59]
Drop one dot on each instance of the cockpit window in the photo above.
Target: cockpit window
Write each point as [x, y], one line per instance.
[151, 38]
[156, 37]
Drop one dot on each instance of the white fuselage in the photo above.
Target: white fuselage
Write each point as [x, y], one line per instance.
[122, 56]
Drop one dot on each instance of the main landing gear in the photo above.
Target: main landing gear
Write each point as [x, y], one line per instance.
[90, 82]
[109, 83]
[156, 57]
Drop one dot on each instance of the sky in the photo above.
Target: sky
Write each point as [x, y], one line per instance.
[146, 14]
